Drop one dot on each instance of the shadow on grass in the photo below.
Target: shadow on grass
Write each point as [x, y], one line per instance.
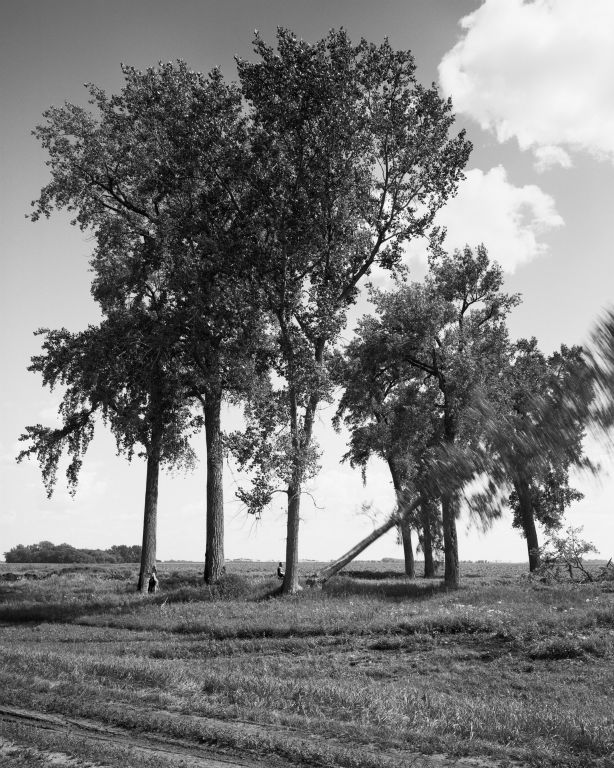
[25, 603]
[51, 612]
[388, 588]
[373, 575]
[44, 607]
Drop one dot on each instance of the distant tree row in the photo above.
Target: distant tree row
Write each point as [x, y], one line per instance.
[46, 552]
[234, 224]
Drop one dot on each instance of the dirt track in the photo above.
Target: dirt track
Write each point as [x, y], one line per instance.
[191, 754]
[188, 754]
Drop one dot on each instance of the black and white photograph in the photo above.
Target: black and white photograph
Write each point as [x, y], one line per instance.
[307, 403]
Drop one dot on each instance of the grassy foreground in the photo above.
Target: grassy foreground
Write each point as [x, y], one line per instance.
[367, 673]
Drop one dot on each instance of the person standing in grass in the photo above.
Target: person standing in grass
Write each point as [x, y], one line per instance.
[152, 587]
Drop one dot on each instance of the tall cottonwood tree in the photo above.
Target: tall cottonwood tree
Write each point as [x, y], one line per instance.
[156, 173]
[452, 330]
[123, 371]
[351, 159]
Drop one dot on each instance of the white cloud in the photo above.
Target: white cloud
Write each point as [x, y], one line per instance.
[507, 219]
[546, 157]
[538, 71]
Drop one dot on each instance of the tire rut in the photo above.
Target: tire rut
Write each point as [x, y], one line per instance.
[192, 754]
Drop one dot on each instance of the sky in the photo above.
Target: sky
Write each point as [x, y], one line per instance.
[531, 82]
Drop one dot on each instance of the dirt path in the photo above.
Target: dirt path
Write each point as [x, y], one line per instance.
[172, 751]
[192, 755]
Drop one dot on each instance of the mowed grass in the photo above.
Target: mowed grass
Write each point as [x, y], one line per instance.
[370, 668]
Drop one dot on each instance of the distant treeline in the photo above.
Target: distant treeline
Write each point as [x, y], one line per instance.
[46, 552]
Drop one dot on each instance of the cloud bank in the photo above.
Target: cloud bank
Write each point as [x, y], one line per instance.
[539, 71]
[507, 219]
[489, 209]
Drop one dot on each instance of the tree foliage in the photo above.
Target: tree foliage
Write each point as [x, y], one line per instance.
[233, 225]
[395, 418]
[447, 337]
[46, 552]
[155, 173]
[116, 371]
[351, 159]
[533, 436]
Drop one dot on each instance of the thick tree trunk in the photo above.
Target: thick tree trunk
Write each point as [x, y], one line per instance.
[214, 553]
[148, 551]
[408, 550]
[528, 522]
[427, 538]
[326, 573]
[404, 525]
[290, 583]
[449, 504]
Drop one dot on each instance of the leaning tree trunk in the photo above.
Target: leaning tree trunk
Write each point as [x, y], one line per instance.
[528, 522]
[148, 550]
[404, 525]
[326, 573]
[426, 510]
[214, 553]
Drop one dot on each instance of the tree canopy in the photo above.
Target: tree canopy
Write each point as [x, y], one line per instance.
[233, 226]
[352, 158]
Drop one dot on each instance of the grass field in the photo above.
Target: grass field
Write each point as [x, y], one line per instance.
[374, 670]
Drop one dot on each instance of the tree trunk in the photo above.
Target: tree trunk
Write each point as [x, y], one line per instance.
[449, 504]
[290, 583]
[214, 553]
[427, 539]
[528, 522]
[404, 525]
[326, 573]
[408, 550]
[148, 550]
[300, 446]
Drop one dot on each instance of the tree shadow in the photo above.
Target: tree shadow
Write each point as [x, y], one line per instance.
[395, 589]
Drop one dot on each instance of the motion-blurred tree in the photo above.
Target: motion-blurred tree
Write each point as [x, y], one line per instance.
[538, 386]
[532, 436]
[600, 360]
